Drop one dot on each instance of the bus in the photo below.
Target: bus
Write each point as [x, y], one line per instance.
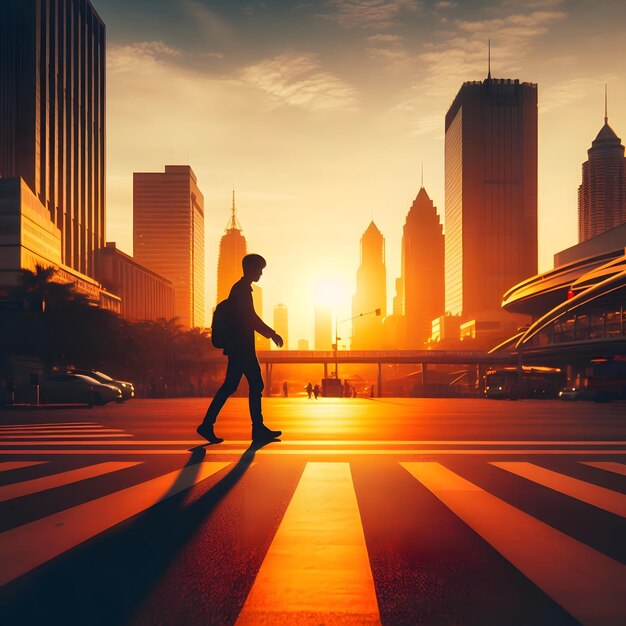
[605, 379]
[509, 383]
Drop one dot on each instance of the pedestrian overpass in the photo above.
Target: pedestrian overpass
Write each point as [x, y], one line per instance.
[268, 358]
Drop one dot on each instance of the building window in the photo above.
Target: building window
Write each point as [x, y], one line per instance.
[613, 323]
[597, 325]
[582, 327]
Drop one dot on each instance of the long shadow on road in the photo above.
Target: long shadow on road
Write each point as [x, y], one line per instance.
[108, 579]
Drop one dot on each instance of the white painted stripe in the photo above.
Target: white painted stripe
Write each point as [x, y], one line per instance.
[26, 547]
[6, 466]
[600, 497]
[51, 424]
[28, 487]
[587, 584]
[29, 427]
[109, 448]
[317, 568]
[10, 439]
[609, 466]
[401, 445]
[58, 431]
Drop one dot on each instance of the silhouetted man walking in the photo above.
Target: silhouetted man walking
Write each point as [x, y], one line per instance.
[240, 349]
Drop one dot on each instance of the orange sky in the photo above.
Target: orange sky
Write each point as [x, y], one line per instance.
[321, 113]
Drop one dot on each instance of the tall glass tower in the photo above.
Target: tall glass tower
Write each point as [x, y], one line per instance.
[422, 270]
[491, 193]
[168, 235]
[371, 292]
[52, 115]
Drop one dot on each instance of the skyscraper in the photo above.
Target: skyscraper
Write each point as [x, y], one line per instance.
[168, 235]
[371, 292]
[281, 323]
[422, 270]
[52, 115]
[233, 248]
[323, 328]
[261, 343]
[602, 194]
[491, 194]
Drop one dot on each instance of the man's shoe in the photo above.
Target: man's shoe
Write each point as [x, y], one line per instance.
[260, 432]
[206, 431]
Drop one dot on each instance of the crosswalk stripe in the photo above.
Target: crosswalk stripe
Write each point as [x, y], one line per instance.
[28, 546]
[371, 442]
[586, 583]
[28, 487]
[12, 438]
[600, 497]
[59, 432]
[111, 447]
[48, 424]
[317, 568]
[609, 466]
[6, 466]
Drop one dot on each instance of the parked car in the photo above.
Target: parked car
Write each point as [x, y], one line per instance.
[572, 393]
[127, 389]
[76, 388]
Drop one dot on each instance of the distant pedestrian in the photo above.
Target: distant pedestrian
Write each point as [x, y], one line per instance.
[239, 346]
[285, 389]
[316, 391]
[309, 390]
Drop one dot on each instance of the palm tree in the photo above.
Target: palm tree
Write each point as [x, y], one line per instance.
[40, 289]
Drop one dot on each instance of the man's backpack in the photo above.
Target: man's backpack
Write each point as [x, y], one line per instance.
[222, 325]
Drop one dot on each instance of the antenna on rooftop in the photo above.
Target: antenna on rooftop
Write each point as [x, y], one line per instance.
[422, 174]
[606, 104]
[489, 59]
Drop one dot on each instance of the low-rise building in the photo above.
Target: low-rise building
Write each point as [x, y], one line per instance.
[145, 294]
[28, 238]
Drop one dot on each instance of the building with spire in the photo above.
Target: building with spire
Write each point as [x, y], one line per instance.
[491, 197]
[233, 248]
[371, 292]
[602, 193]
[422, 270]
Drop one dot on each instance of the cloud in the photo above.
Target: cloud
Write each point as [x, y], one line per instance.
[462, 55]
[562, 94]
[214, 26]
[395, 59]
[384, 38]
[445, 4]
[148, 54]
[369, 14]
[298, 80]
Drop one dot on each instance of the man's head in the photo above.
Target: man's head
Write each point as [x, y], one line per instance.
[253, 265]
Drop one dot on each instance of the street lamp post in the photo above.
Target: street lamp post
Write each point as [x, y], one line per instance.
[336, 344]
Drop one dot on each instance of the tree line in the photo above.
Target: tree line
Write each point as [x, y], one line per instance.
[58, 328]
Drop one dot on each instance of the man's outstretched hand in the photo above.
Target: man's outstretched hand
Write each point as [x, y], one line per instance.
[278, 340]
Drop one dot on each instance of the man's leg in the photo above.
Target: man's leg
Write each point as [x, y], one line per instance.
[229, 386]
[252, 371]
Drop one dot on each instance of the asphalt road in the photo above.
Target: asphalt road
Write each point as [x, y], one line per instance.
[392, 511]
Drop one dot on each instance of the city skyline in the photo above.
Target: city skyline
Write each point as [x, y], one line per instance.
[301, 155]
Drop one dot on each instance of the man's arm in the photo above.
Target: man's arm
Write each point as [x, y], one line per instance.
[244, 305]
